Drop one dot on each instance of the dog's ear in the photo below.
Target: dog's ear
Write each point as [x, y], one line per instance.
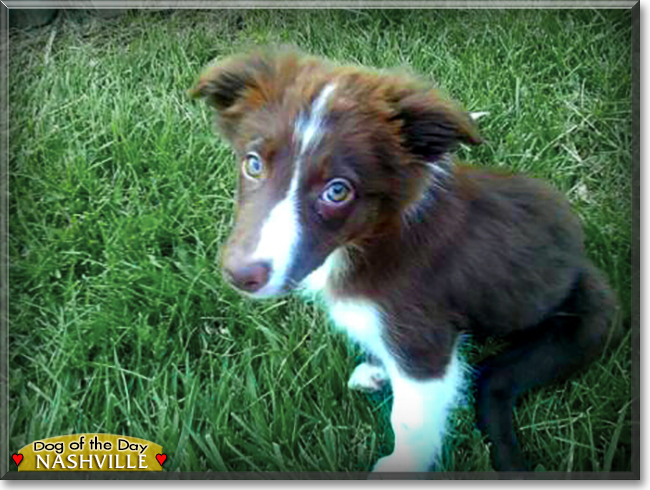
[223, 84]
[237, 85]
[430, 126]
[247, 82]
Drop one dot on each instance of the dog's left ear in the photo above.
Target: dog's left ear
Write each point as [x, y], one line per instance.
[431, 126]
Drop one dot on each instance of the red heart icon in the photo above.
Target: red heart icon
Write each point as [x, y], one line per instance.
[160, 457]
[18, 458]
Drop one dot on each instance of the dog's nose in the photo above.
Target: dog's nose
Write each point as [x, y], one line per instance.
[249, 277]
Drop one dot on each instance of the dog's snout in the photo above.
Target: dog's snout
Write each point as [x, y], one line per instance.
[249, 277]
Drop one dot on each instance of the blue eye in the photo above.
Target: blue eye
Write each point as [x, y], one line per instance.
[337, 192]
[253, 166]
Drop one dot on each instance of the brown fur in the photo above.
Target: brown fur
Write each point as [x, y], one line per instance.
[464, 250]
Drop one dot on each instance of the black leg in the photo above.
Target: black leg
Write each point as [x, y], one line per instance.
[574, 336]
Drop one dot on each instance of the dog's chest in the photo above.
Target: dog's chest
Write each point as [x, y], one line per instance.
[359, 318]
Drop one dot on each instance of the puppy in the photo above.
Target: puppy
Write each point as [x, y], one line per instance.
[347, 191]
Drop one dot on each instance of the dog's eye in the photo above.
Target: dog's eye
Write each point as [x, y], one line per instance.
[337, 192]
[253, 166]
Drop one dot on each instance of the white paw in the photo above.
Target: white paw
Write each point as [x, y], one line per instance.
[368, 377]
[400, 463]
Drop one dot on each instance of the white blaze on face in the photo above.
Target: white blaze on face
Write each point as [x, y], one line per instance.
[278, 239]
[281, 232]
[309, 132]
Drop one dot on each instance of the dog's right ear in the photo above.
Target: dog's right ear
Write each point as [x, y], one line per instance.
[223, 84]
[244, 83]
[234, 86]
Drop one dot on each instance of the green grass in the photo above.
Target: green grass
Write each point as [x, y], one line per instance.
[121, 196]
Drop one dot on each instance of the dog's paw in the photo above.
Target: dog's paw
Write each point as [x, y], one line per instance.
[368, 377]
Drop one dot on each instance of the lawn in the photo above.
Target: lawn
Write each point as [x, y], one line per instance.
[121, 196]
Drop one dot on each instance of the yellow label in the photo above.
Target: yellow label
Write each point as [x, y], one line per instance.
[91, 452]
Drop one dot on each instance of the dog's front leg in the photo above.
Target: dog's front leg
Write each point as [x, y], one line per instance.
[419, 418]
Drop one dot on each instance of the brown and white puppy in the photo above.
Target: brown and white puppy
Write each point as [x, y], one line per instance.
[346, 190]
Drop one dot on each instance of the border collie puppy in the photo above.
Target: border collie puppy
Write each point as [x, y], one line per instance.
[347, 190]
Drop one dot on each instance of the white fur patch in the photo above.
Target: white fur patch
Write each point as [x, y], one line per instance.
[310, 132]
[316, 282]
[361, 321]
[278, 239]
[420, 415]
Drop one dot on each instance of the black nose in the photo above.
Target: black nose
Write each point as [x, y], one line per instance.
[249, 277]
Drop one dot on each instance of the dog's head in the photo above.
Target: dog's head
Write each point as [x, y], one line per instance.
[328, 157]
